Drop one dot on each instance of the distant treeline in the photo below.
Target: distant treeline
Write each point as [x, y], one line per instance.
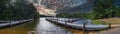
[18, 10]
[43, 16]
[101, 9]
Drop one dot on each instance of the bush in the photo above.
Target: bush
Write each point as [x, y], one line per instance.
[97, 22]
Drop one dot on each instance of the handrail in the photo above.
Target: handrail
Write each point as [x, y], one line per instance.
[81, 25]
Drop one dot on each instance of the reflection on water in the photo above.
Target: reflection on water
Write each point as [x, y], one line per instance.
[41, 27]
[46, 27]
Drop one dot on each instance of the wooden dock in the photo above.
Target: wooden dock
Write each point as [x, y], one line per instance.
[81, 26]
[14, 23]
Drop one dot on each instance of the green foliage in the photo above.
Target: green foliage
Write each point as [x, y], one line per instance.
[101, 9]
[64, 15]
[117, 11]
[105, 9]
[3, 10]
[77, 15]
[18, 10]
[97, 22]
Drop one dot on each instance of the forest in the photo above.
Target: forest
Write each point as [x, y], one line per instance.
[101, 9]
[17, 10]
[21, 9]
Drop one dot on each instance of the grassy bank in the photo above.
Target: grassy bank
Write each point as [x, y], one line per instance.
[107, 21]
[111, 20]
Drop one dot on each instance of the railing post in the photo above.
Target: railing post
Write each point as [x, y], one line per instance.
[109, 25]
[84, 24]
[53, 19]
[65, 26]
[56, 19]
[65, 23]
[10, 24]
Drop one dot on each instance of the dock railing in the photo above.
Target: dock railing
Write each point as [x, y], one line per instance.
[84, 24]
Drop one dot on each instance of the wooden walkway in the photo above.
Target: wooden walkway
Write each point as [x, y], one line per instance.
[13, 23]
[80, 26]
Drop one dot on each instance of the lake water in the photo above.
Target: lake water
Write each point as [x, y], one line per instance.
[41, 26]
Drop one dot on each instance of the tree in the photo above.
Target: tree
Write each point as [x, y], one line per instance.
[104, 9]
[21, 9]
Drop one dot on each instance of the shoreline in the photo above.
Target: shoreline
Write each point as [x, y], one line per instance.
[113, 21]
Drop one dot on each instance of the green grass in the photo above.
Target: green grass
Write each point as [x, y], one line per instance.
[98, 22]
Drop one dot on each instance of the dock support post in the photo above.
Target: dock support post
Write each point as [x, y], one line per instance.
[65, 26]
[57, 19]
[53, 19]
[10, 24]
[109, 25]
[84, 24]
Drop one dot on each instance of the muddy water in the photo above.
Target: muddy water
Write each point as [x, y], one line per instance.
[42, 26]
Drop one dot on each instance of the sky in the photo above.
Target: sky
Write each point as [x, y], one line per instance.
[52, 7]
[117, 3]
[64, 6]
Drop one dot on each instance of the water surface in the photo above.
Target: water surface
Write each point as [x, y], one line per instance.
[41, 26]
